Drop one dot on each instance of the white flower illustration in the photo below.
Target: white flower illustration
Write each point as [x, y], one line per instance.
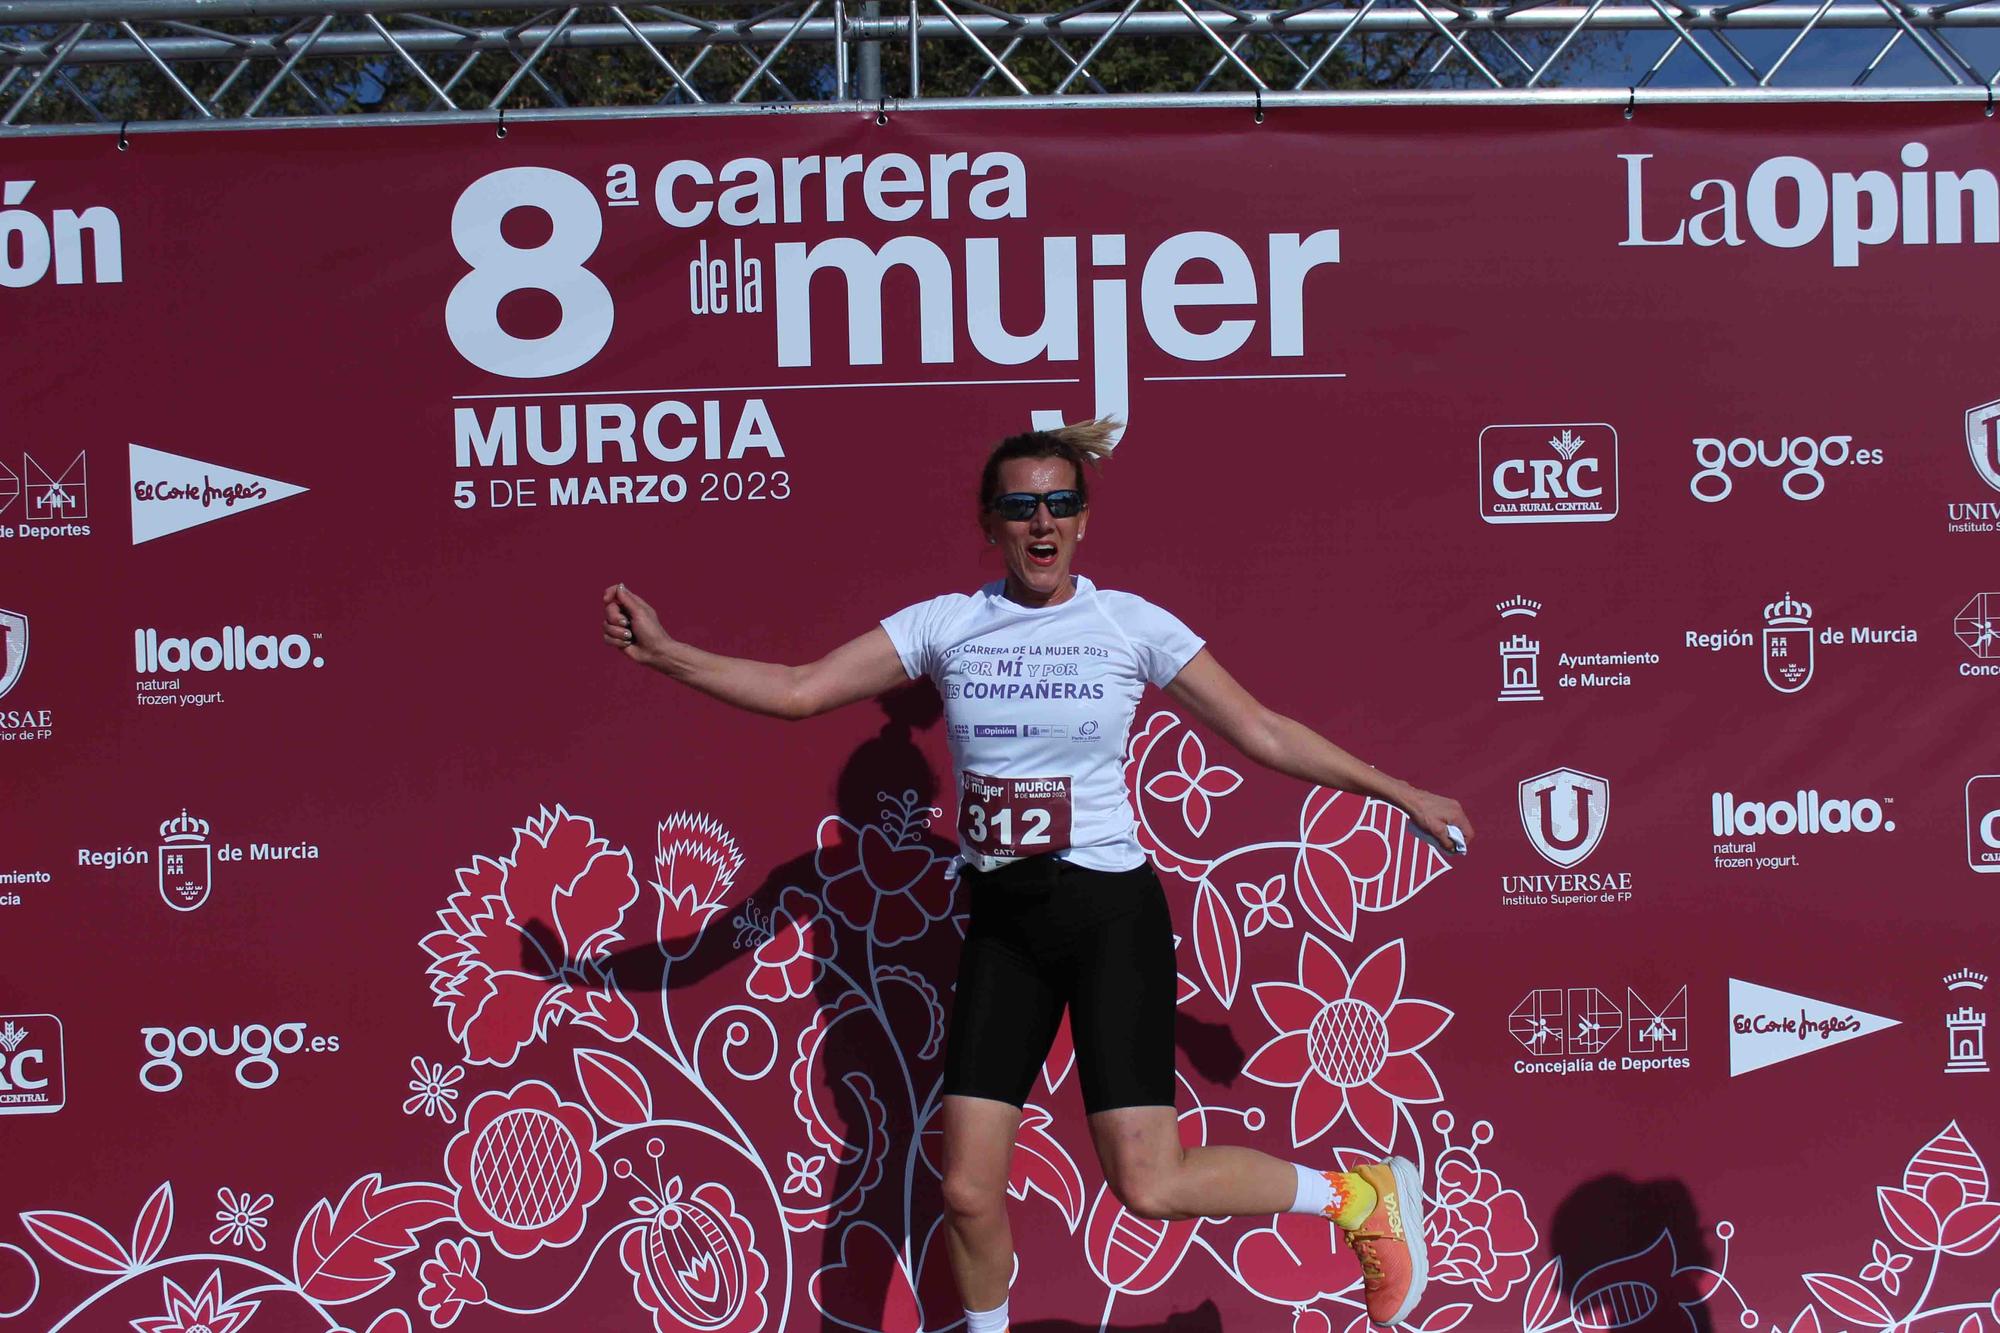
[432, 1086]
[242, 1219]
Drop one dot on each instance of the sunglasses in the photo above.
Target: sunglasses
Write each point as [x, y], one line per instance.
[1020, 506]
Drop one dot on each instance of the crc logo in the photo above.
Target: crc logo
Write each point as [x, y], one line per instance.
[1561, 473]
[255, 1046]
[1982, 823]
[1564, 813]
[31, 1064]
[1803, 458]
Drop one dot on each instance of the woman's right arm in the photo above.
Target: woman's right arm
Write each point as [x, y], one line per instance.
[859, 669]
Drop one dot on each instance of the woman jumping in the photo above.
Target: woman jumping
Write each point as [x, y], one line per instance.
[1041, 673]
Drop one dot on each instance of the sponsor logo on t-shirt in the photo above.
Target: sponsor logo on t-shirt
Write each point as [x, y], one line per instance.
[995, 729]
[1037, 730]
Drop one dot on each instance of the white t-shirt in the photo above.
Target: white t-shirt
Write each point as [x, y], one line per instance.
[1037, 705]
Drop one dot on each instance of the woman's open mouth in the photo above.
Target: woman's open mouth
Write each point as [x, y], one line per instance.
[1042, 554]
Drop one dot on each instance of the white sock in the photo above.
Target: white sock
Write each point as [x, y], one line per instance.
[1315, 1193]
[986, 1321]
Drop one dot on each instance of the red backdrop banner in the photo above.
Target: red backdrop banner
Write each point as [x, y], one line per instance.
[383, 953]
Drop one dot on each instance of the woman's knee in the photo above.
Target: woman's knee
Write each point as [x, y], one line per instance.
[1147, 1195]
[970, 1195]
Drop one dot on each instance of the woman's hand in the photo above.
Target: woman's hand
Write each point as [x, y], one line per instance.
[1433, 812]
[633, 627]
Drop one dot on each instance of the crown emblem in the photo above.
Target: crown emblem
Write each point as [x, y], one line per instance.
[12, 1036]
[1518, 606]
[1566, 444]
[184, 829]
[1965, 979]
[1787, 611]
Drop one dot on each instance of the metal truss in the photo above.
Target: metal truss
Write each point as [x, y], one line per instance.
[183, 63]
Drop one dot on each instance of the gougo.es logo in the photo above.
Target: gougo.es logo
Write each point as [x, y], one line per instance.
[255, 1047]
[1804, 461]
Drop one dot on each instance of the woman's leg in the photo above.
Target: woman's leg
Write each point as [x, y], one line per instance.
[978, 1144]
[1378, 1208]
[1149, 1171]
[1004, 1015]
[1122, 1015]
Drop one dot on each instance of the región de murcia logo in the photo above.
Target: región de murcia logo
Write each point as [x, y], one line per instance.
[187, 860]
[1789, 641]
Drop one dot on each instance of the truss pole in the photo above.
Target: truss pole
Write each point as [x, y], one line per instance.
[55, 63]
[868, 56]
[500, 98]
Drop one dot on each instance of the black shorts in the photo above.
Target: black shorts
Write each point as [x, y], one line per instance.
[1045, 933]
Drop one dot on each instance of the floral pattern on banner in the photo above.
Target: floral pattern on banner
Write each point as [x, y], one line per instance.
[631, 1172]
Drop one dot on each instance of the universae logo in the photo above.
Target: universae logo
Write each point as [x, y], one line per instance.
[13, 649]
[1565, 812]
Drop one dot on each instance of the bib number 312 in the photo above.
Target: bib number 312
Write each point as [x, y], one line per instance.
[1003, 819]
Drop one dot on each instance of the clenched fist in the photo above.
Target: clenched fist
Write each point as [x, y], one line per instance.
[632, 626]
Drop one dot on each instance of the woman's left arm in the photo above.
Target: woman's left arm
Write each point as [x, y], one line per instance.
[1292, 748]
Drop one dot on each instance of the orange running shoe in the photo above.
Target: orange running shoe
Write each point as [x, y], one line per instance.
[1390, 1243]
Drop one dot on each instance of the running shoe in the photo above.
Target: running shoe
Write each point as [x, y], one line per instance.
[1390, 1242]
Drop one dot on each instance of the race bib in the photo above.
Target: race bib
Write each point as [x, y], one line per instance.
[1004, 819]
